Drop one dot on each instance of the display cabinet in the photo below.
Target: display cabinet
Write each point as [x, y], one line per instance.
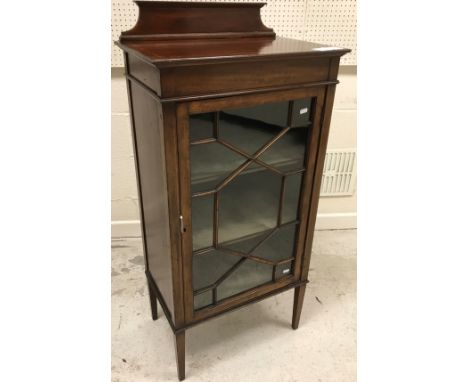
[230, 126]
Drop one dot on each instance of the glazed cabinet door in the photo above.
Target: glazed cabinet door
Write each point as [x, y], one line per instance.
[246, 169]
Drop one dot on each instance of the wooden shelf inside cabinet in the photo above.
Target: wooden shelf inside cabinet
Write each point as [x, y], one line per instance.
[230, 125]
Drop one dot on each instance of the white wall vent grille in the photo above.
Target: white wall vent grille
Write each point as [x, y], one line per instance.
[339, 173]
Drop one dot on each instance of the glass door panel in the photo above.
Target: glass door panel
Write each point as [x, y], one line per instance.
[247, 166]
[248, 204]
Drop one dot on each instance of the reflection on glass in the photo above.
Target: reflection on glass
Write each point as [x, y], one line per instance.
[280, 245]
[287, 154]
[292, 192]
[249, 275]
[203, 299]
[249, 204]
[275, 114]
[202, 222]
[210, 164]
[247, 134]
[201, 126]
[210, 266]
[247, 243]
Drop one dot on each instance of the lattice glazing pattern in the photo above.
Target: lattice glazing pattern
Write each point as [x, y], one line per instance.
[246, 175]
[331, 22]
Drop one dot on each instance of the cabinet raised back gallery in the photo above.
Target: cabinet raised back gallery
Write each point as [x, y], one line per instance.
[230, 125]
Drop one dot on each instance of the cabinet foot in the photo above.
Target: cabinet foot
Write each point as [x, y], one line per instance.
[153, 303]
[180, 354]
[297, 308]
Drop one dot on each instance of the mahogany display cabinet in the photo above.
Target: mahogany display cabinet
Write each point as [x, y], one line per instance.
[230, 126]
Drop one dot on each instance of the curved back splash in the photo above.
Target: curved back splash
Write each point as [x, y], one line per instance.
[160, 20]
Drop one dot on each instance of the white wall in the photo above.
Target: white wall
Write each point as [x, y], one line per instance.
[334, 212]
[340, 212]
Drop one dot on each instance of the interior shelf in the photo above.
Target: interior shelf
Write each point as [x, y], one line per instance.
[247, 206]
[229, 274]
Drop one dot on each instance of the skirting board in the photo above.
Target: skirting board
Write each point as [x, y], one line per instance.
[125, 228]
[339, 220]
[344, 220]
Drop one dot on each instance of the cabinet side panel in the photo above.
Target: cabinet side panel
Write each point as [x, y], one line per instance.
[146, 73]
[147, 117]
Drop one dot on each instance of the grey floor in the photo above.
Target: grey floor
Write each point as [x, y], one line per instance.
[255, 343]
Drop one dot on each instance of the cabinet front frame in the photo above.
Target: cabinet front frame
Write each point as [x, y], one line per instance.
[183, 111]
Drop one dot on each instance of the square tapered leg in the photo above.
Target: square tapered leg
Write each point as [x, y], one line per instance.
[299, 293]
[180, 354]
[153, 303]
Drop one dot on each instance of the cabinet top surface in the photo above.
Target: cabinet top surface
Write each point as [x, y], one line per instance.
[172, 33]
[191, 50]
